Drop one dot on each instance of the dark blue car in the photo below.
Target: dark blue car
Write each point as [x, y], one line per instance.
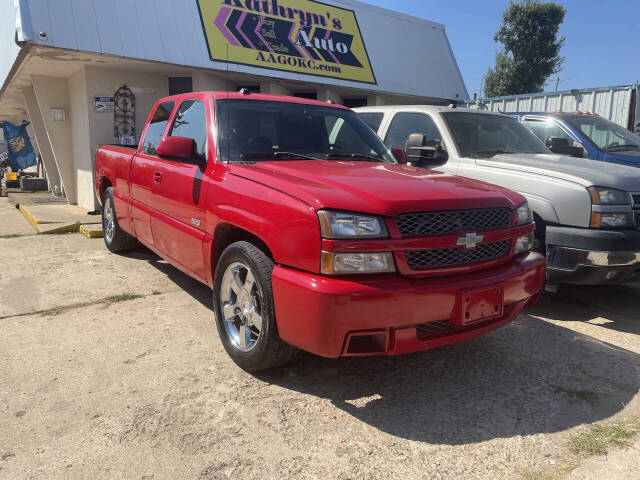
[584, 135]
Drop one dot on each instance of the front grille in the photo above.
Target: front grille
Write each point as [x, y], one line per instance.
[449, 257]
[452, 221]
[636, 199]
[430, 330]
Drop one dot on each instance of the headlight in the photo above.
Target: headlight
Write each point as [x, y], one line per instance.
[611, 220]
[340, 263]
[608, 196]
[351, 225]
[524, 243]
[525, 215]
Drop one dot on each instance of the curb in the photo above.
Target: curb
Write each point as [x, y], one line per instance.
[91, 233]
[30, 217]
[73, 227]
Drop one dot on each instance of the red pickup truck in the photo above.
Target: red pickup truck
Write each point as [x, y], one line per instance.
[312, 234]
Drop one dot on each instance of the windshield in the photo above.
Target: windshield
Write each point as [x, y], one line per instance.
[605, 134]
[480, 135]
[256, 130]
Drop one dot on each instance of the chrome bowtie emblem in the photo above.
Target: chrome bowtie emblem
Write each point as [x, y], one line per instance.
[470, 241]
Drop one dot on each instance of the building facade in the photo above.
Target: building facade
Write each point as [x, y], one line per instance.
[87, 72]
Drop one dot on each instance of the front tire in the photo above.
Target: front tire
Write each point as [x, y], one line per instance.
[244, 311]
[116, 239]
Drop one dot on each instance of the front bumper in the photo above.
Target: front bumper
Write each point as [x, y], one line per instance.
[590, 257]
[319, 314]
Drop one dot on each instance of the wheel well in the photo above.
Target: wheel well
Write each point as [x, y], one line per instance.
[541, 226]
[540, 235]
[104, 184]
[226, 234]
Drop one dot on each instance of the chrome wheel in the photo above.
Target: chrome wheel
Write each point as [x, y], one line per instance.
[241, 303]
[108, 223]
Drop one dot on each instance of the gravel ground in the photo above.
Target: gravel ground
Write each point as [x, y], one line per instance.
[143, 388]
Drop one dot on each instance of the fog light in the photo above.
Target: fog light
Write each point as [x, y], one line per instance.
[524, 243]
[564, 258]
[357, 263]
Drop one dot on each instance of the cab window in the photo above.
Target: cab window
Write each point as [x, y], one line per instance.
[372, 119]
[157, 127]
[404, 124]
[191, 122]
[546, 130]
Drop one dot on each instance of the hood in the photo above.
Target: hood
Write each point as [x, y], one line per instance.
[582, 171]
[377, 188]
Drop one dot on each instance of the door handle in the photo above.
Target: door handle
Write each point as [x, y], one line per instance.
[157, 177]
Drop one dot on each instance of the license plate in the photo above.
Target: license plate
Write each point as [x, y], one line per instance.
[480, 305]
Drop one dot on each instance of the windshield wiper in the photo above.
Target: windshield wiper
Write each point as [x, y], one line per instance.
[353, 156]
[277, 156]
[611, 147]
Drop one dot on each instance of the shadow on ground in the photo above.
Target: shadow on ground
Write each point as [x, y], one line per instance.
[618, 304]
[529, 377]
[197, 290]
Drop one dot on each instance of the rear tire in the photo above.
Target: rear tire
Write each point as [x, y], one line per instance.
[116, 239]
[244, 311]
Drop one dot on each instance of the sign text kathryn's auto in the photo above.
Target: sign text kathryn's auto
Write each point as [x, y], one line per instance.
[300, 36]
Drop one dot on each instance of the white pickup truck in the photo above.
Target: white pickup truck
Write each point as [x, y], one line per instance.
[587, 212]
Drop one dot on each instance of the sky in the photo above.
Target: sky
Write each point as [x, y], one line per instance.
[602, 47]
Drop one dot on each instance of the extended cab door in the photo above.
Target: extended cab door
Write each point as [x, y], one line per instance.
[180, 192]
[142, 176]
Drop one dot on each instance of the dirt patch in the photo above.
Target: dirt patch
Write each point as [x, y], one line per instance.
[142, 388]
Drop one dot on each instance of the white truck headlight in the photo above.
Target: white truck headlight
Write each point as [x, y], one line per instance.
[608, 196]
[341, 225]
[525, 215]
[342, 263]
[524, 243]
[604, 200]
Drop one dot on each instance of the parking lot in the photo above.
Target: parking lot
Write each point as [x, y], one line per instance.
[111, 367]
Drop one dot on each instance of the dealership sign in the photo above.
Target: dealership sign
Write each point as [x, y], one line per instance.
[301, 36]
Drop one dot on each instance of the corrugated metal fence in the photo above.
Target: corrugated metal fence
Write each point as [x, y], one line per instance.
[614, 103]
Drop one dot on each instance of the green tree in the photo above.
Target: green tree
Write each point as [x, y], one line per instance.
[530, 48]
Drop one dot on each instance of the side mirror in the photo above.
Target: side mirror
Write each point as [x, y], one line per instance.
[561, 146]
[400, 155]
[422, 152]
[179, 147]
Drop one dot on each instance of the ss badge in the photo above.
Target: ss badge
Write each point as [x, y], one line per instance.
[195, 221]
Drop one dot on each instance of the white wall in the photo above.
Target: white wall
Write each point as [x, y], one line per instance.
[102, 82]
[40, 134]
[82, 152]
[74, 142]
[274, 88]
[203, 82]
[53, 93]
